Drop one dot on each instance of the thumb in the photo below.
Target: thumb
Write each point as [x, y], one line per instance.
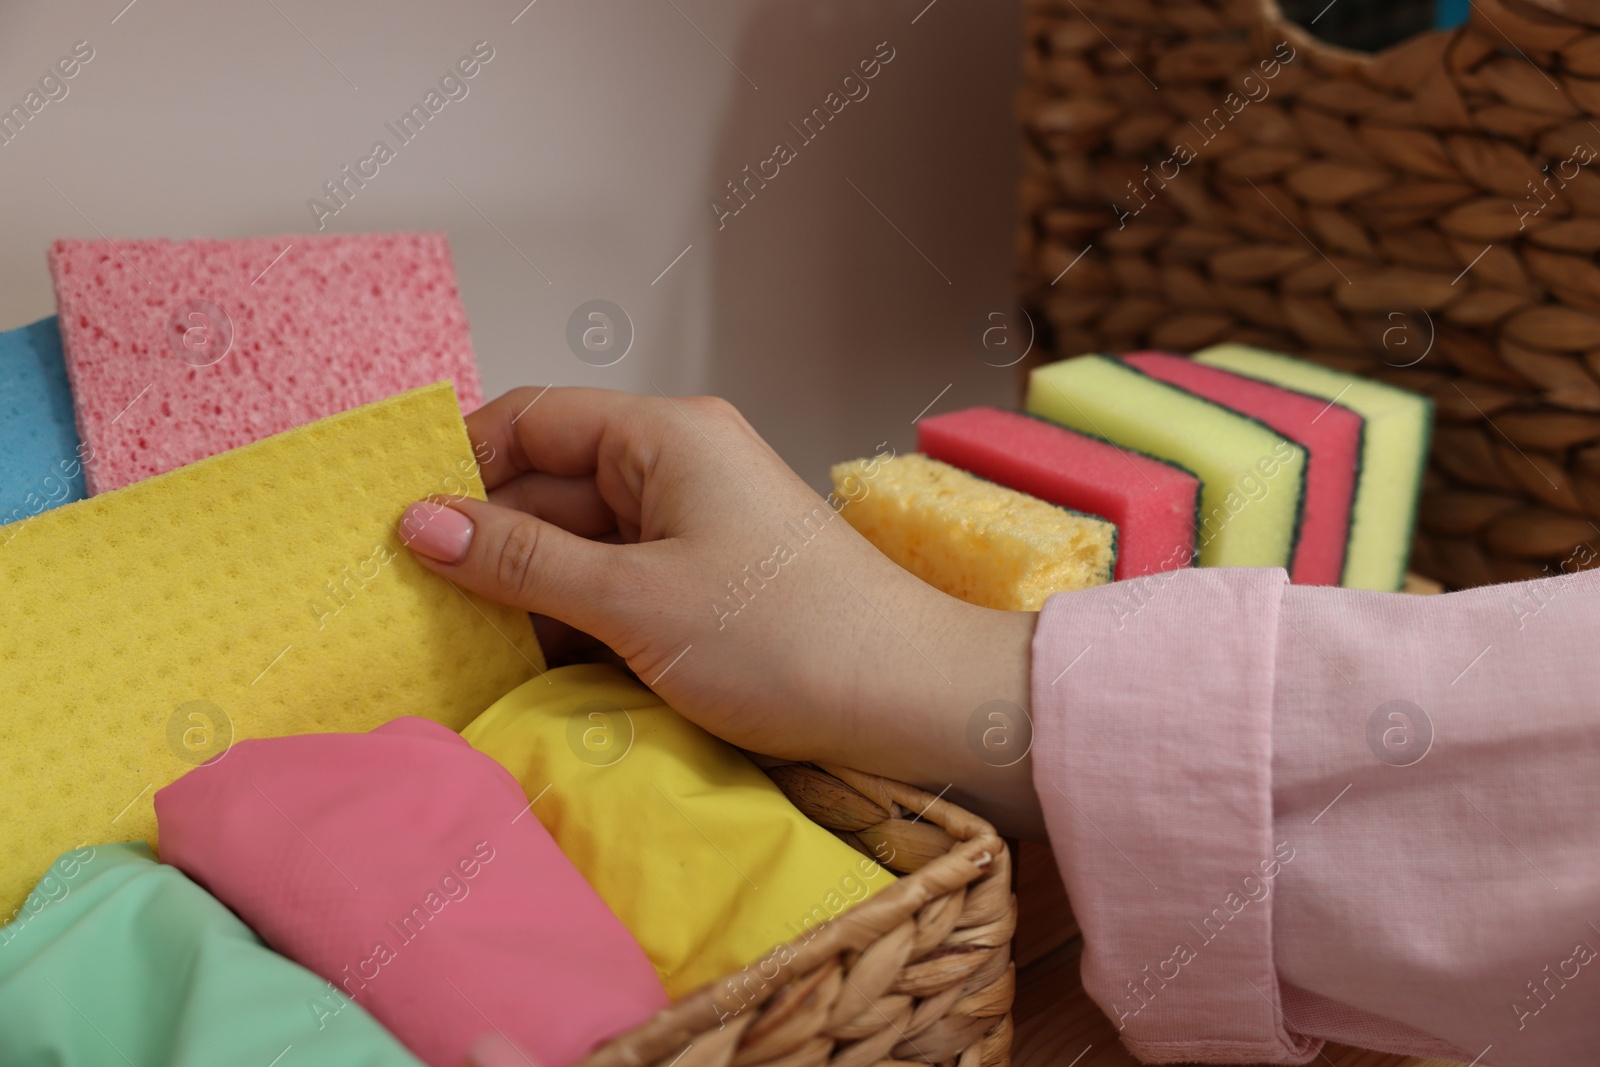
[514, 558]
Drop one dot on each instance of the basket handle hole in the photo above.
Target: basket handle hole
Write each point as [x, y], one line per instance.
[1372, 25]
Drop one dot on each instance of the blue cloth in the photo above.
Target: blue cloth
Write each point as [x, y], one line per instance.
[41, 464]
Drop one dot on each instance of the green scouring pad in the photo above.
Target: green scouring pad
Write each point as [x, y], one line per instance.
[1253, 478]
[1393, 455]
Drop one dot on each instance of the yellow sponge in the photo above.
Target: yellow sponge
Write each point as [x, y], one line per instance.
[975, 540]
[259, 592]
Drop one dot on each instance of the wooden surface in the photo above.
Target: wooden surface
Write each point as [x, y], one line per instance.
[1057, 1025]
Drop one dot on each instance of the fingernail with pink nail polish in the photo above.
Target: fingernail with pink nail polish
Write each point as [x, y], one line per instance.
[436, 531]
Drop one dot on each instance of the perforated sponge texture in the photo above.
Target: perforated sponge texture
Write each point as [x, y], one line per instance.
[181, 350]
[980, 542]
[40, 465]
[257, 593]
[1394, 453]
[1252, 478]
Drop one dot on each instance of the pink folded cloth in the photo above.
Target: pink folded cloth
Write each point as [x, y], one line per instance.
[403, 867]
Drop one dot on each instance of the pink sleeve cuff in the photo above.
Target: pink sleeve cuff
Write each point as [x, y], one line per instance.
[1152, 759]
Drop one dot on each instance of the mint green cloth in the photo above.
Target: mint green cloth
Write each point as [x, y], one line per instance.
[116, 959]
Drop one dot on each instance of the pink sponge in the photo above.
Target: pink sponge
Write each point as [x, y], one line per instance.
[180, 350]
[1331, 434]
[1152, 502]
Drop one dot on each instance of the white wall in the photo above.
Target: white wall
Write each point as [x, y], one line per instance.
[594, 142]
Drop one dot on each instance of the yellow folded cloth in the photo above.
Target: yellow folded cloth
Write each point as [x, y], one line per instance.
[260, 592]
[691, 845]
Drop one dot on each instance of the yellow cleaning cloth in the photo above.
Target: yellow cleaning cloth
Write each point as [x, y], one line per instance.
[259, 592]
[693, 848]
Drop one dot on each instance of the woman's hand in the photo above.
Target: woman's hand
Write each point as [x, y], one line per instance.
[669, 530]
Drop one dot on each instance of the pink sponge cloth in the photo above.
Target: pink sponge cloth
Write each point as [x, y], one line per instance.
[180, 350]
[1331, 434]
[401, 865]
[1152, 502]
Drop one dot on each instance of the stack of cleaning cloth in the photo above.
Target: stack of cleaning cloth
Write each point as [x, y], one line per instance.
[384, 827]
[1129, 466]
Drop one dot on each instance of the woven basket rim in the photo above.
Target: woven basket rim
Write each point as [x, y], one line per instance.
[718, 1005]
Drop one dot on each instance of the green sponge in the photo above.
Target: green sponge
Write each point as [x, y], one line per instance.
[1253, 478]
[1393, 455]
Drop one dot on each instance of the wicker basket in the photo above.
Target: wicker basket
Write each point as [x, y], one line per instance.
[1428, 216]
[919, 973]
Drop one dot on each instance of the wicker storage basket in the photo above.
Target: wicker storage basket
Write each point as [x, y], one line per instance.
[919, 973]
[1428, 216]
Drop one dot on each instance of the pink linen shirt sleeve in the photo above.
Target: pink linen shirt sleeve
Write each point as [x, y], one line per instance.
[1289, 813]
